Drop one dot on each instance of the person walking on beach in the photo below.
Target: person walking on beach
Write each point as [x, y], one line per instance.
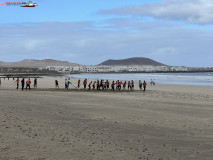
[79, 82]
[0, 82]
[67, 83]
[90, 85]
[22, 84]
[129, 86]
[124, 85]
[144, 85]
[107, 84]
[104, 85]
[56, 84]
[28, 82]
[85, 83]
[152, 82]
[98, 85]
[17, 83]
[93, 86]
[119, 85]
[35, 83]
[113, 85]
[140, 84]
[101, 84]
[132, 85]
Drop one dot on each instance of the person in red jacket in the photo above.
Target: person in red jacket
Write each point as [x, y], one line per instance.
[132, 85]
[17, 82]
[107, 84]
[90, 85]
[28, 82]
[144, 86]
[79, 82]
[85, 83]
[119, 85]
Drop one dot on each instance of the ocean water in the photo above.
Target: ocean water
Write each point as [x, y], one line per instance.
[201, 78]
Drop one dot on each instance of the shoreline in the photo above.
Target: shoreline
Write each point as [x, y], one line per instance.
[71, 73]
[174, 78]
[48, 83]
[74, 81]
[152, 75]
[197, 71]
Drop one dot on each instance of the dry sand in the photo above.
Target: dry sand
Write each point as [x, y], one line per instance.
[167, 122]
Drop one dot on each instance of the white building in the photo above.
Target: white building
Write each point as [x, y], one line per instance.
[179, 68]
[90, 68]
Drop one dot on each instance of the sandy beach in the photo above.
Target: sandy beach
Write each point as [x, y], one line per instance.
[167, 122]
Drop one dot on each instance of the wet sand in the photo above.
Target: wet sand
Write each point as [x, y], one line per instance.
[167, 122]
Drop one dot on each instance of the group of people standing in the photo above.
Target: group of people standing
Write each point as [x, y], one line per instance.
[142, 84]
[104, 85]
[28, 83]
[92, 85]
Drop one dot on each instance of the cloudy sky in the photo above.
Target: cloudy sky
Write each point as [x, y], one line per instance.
[173, 32]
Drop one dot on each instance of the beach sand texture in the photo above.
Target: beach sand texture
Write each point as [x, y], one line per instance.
[167, 122]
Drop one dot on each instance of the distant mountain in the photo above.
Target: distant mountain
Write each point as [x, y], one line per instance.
[132, 61]
[31, 63]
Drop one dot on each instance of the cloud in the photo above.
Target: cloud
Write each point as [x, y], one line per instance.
[167, 51]
[135, 24]
[85, 43]
[191, 11]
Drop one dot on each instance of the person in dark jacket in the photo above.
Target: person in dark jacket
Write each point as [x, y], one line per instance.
[22, 84]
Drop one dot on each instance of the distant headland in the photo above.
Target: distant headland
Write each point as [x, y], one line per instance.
[133, 65]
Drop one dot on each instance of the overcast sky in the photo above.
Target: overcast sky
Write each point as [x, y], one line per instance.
[173, 32]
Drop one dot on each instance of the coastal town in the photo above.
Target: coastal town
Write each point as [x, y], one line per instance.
[103, 68]
[130, 65]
